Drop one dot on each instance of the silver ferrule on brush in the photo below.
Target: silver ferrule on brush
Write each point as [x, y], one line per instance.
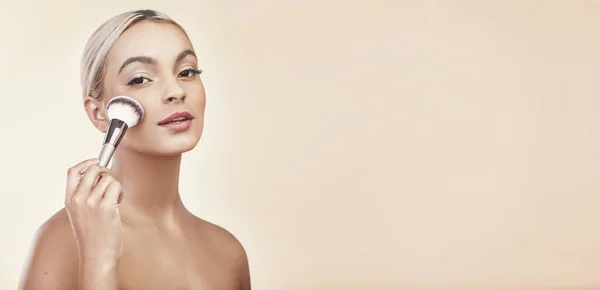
[114, 134]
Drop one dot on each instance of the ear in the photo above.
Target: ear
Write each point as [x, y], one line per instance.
[96, 113]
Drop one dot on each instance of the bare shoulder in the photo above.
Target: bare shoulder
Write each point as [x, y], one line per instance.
[229, 248]
[52, 261]
[218, 235]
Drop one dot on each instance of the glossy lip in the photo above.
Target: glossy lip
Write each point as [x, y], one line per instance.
[178, 126]
[168, 119]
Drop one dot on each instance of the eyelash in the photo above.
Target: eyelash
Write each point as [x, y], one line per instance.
[193, 72]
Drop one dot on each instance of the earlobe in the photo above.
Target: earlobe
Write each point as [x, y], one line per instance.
[96, 113]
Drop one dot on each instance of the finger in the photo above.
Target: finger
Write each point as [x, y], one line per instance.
[75, 172]
[100, 176]
[89, 178]
[74, 177]
[112, 194]
[99, 189]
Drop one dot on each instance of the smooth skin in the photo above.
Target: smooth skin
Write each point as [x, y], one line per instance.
[126, 227]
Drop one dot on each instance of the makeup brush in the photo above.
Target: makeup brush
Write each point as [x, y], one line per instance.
[123, 112]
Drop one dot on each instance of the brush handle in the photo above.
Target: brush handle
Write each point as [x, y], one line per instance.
[114, 134]
[106, 154]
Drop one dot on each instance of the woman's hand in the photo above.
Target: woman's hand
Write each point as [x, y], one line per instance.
[92, 203]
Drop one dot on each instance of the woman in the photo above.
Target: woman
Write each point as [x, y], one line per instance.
[126, 227]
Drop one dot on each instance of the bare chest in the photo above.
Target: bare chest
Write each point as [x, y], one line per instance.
[149, 263]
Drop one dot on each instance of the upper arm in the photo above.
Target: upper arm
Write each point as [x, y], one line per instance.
[238, 253]
[244, 269]
[233, 249]
[52, 262]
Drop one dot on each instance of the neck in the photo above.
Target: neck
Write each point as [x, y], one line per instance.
[150, 185]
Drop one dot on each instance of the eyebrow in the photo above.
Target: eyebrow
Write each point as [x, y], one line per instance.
[185, 53]
[152, 61]
[142, 59]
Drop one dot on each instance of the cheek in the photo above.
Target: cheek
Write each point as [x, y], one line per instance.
[148, 123]
[151, 109]
[141, 136]
[200, 104]
[197, 99]
[195, 93]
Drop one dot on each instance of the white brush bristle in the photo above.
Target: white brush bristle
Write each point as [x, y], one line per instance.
[125, 109]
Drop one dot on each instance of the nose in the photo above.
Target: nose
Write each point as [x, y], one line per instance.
[174, 93]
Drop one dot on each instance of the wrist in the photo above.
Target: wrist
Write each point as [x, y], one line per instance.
[99, 257]
[101, 265]
[98, 274]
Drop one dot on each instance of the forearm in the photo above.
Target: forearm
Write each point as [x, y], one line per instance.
[98, 275]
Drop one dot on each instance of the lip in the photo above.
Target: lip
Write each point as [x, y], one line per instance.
[177, 115]
[177, 126]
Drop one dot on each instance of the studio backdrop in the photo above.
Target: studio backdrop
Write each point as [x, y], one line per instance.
[347, 144]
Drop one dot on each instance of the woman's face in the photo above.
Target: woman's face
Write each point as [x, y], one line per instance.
[154, 63]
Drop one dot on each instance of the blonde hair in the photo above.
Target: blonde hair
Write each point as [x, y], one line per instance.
[93, 61]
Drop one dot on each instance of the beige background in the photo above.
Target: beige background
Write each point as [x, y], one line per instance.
[348, 144]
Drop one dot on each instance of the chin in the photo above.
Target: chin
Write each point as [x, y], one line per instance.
[175, 144]
[177, 148]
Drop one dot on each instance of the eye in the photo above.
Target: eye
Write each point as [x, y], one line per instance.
[189, 73]
[138, 81]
